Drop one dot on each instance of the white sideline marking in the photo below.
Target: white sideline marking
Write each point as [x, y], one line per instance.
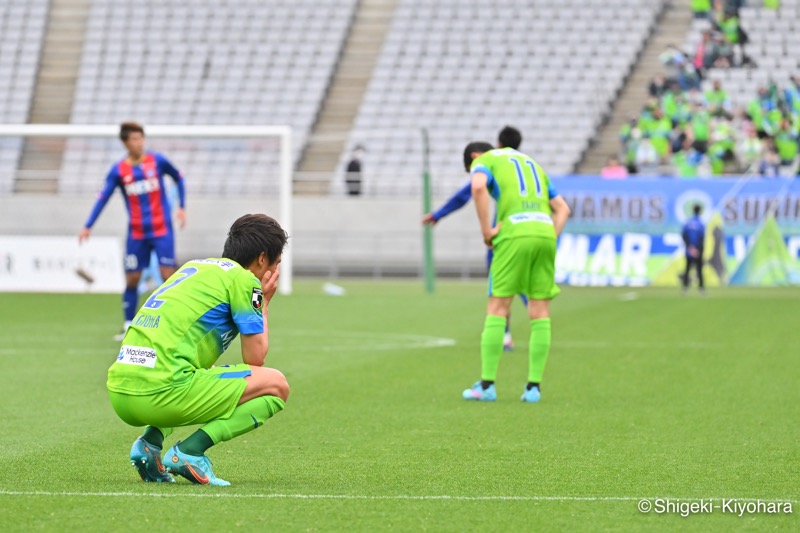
[366, 497]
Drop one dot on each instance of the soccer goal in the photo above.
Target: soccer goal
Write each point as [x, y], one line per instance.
[220, 161]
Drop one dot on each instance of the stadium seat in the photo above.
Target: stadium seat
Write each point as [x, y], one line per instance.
[22, 25]
[265, 67]
[432, 74]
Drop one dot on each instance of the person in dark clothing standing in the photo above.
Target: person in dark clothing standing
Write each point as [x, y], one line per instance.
[694, 234]
[353, 175]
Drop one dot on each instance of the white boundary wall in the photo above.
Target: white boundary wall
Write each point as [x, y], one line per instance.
[329, 236]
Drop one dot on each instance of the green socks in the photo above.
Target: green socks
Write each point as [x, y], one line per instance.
[492, 346]
[196, 444]
[538, 349]
[245, 417]
[155, 436]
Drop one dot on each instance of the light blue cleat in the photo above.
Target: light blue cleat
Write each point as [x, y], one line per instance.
[146, 458]
[479, 393]
[196, 469]
[531, 396]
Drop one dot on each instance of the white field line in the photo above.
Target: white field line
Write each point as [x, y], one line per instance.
[398, 497]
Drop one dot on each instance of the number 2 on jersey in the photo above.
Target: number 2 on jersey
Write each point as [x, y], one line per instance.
[523, 189]
[154, 303]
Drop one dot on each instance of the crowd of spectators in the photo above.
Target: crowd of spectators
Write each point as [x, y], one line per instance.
[689, 127]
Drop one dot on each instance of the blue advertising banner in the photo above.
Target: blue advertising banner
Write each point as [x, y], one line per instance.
[657, 206]
[628, 232]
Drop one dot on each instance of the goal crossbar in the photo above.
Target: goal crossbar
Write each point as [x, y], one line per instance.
[284, 133]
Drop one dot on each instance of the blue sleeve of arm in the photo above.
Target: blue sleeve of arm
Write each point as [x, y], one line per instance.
[170, 169]
[102, 198]
[551, 191]
[456, 202]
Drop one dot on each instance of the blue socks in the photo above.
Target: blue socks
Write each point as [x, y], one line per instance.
[130, 302]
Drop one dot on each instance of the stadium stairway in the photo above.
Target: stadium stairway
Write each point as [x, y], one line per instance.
[673, 24]
[53, 94]
[360, 53]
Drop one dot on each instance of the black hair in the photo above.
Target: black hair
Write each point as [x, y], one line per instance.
[481, 147]
[252, 234]
[126, 128]
[697, 209]
[509, 137]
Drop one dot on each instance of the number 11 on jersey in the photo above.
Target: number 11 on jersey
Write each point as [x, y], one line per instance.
[523, 188]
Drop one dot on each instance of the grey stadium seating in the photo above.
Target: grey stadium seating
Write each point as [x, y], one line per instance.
[22, 24]
[464, 68]
[252, 66]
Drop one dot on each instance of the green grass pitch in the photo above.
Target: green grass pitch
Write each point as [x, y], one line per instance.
[647, 394]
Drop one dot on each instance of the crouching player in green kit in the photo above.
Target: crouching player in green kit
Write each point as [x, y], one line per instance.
[164, 376]
[530, 216]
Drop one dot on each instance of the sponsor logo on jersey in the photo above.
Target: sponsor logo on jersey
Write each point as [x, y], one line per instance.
[530, 217]
[142, 187]
[222, 263]
[137, 355]
[257, 298]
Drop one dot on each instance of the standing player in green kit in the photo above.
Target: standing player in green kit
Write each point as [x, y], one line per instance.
[530, 216]
[164, 376]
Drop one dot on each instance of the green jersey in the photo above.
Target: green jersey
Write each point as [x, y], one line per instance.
[786, 144]
[187, 324]
[701, 124]
[522, 190]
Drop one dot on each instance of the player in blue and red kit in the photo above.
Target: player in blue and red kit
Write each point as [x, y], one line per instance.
[140, 177]
[509, 137]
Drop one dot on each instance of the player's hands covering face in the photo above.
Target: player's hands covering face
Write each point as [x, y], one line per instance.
[269, 283]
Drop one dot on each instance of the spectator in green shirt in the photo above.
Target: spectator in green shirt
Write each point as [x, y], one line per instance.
[660, 128]
[786, 143]
[717, 100]
[700, 128]
[749, 150]
[686, 161]
[730, 28]
[701, 8]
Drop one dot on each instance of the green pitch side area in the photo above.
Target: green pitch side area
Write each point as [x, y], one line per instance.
[647, 394]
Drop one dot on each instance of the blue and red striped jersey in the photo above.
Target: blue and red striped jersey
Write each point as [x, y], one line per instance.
[145, 196]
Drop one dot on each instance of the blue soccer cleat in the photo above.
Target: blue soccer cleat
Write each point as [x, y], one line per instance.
[477, 392]
[531, 396]
[146, 458]
[196, 469]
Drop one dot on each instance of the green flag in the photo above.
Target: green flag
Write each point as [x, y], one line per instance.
[768, 262]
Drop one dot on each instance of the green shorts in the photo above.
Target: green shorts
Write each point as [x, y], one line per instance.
[210, 394]
[524, 265]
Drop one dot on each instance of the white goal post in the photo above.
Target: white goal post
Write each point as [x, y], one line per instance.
[283, 133]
